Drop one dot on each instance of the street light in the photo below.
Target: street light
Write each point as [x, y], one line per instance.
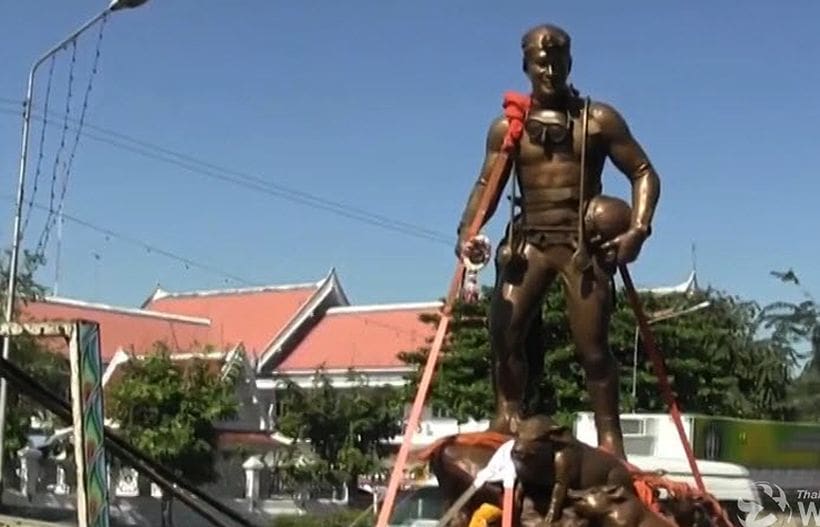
[657, 317]
[115, 5]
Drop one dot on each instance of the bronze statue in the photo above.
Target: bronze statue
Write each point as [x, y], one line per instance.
[557, 473]
[616, 506]
[565, 228]
[549, 458]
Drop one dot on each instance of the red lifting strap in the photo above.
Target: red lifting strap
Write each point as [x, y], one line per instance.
[515, 109]
[516, 105]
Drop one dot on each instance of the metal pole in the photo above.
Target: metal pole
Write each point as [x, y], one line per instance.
[635, 371]
[59, 250]
[15, 247]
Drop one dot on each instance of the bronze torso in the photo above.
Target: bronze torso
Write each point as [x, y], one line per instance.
[548, 168]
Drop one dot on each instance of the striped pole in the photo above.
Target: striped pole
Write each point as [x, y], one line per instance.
[89, 425]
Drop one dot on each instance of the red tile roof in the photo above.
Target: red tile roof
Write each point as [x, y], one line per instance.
[253, 316]
[362, 337]
[132, 329]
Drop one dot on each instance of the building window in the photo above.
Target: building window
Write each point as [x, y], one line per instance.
[279, 406]
[632, 426]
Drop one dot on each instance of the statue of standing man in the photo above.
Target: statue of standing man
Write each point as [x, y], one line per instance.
[565, 228]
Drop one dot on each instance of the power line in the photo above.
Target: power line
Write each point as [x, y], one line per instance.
[40, 149]
[245, 180]
[258, 184]
[43, 242]
[192, 263]
[145, 245]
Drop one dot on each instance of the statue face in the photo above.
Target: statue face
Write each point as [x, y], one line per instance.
[547, 63]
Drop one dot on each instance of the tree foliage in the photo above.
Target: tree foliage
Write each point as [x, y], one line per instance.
[167, 409]
[341, 518]
[52, 370]
[716, 361]
[793, 325]
[346, 428]
[27, 287]
[33, 356]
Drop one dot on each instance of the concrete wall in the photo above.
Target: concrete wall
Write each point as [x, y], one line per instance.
[145, 511]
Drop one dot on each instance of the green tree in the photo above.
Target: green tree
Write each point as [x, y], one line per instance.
[33, 356]
[716, 363]
[27, 287]
[806, 391]
[50, 369]
[341, 518]
[346, 428]
[167, 410]
[797, 325]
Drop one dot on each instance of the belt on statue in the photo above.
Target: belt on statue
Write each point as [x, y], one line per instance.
[542, 236]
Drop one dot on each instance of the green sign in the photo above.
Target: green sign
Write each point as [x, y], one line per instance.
[757, 444]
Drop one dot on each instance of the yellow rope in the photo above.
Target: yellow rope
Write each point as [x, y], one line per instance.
[484, 515]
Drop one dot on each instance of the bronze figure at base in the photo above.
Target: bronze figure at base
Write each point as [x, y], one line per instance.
[561, 481]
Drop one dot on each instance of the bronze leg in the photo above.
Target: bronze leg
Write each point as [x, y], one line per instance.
[516, 300]
[535, 350]
[589, 301]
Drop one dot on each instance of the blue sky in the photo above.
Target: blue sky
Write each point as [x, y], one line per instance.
[383, 107]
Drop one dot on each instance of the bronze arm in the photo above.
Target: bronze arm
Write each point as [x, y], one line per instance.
[629, 157]
[495, 141]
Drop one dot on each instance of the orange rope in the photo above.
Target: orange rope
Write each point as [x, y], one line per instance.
[489, 439]
[655, 356]
[515, 107]
[507, 508]
[647, 485]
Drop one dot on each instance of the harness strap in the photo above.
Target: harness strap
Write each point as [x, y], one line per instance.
[581, 256]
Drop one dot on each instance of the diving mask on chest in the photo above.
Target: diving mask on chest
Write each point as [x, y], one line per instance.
[548, 126]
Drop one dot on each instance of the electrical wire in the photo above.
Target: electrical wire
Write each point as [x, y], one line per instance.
[214, 270]
[40, 149]
[145, 245]
[195, 165]
[52, 213]
[251, 182]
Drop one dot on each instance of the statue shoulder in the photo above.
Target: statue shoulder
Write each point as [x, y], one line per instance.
[608, 119]
[496, 132]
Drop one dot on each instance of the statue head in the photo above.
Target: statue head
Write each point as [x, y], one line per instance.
[547, 60]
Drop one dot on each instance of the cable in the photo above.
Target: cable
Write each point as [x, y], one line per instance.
[251, 182]
[52, 217]
[150, 248]
[191, 263]
[40, 153]
[63, 133]
[255, 183]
